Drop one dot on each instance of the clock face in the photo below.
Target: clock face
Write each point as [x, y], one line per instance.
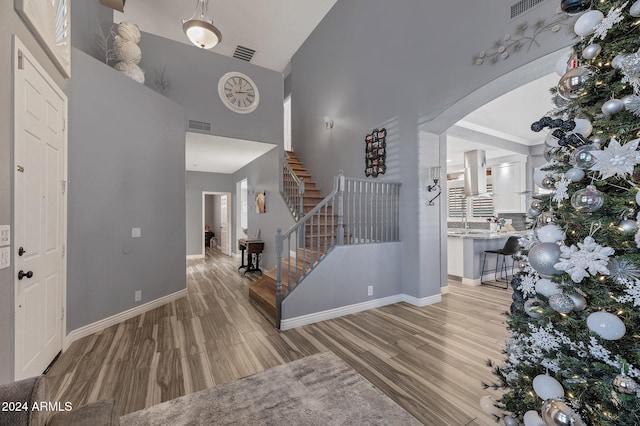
[238, 92]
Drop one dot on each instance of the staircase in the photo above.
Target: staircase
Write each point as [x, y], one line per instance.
[262, 293]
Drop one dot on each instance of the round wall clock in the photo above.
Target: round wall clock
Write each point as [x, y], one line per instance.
[238, 92]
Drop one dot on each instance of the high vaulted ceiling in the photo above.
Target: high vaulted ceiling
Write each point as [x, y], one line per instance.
[275, 29]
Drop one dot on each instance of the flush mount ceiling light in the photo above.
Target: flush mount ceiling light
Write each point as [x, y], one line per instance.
[199, 28]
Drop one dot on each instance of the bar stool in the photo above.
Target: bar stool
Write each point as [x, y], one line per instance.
[510, 248]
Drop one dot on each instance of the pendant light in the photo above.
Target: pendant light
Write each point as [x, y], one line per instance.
[199, 28]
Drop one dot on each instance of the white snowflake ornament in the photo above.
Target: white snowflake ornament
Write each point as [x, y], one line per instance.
[562, 187]
[617, 160]
[587, 258]
[632, 294]
[613, 17]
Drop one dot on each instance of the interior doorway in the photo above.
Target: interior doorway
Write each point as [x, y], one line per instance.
[217, 219]
[242, 209]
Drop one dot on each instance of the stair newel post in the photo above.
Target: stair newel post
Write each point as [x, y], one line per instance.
[340, 208]
[279, 250]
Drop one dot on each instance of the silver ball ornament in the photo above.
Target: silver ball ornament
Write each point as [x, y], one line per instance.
[534, 307]
[509, 421]
[548, 183]
[561, 303]
[627, 226]
[587, 200]
[612, 106]
[571, 85]
[533, 212]
[582, 158]
[625, 384]
[547, 217]
[549, 152]
[574, 174]
[536, 204]
[635, 9]
[556, 413]
[596, 142]
[543, 257]
[579, 301]
[591, 51]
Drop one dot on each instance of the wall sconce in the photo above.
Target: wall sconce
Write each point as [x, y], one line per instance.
[434, 175]
[328, 122]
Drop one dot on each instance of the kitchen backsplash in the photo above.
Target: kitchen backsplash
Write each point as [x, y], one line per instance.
[518, 221]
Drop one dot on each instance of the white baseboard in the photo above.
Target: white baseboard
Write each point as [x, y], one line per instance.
[195, 256]
[471, 281]
[287, 324]
[97, 326]
[444, 289]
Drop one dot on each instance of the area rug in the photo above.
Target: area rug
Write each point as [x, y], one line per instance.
[317, 390]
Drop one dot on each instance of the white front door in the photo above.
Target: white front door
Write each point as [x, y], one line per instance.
[40, 114]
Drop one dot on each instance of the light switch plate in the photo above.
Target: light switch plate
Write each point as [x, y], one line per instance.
[5, 235]
[136, 232]
[5, 257]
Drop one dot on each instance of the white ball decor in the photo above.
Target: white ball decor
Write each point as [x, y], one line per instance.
[532, 418]
[129, 31]
[635, 9]
[574, 174]
[546, 387]
[550, 234]
[583, 127]
[543, 257]
[546, 287]
[638, 194]
[132, 71]
[591, 51]
[587, 23]
[126, 50]
[606, 325]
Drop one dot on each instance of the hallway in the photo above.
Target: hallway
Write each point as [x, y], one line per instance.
[430, 360]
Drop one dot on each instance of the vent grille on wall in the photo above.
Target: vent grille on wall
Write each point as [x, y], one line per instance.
[243, 53]
[199, 125]
[522, 6]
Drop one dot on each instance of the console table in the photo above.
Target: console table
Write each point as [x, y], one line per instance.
[253, 249]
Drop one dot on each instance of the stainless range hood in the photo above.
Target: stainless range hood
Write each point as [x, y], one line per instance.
[475, 173]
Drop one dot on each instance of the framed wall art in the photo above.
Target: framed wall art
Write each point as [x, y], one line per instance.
[376, 153]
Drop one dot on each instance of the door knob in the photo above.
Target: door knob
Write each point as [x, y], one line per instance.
[22, 274]
[21, 251]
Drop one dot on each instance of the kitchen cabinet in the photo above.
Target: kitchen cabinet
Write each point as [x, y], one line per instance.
[509, 183]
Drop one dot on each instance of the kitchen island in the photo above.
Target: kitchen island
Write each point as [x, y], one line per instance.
[465, 252]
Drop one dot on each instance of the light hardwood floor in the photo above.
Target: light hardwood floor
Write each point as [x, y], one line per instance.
[429, 360]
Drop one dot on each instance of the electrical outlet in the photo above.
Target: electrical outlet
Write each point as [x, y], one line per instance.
[138, 296]
[370, 290]
[136, 232]
[5, 235]
[5, 257]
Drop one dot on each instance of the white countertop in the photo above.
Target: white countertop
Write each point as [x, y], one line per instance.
[482, 234]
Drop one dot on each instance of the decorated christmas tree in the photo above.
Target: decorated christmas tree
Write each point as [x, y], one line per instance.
[574, 353]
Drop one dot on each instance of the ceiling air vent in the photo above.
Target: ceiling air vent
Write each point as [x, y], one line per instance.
[522, 6]
[199, 125]
[243, 53]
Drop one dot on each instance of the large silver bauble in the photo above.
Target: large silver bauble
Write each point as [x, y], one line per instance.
[548, 183]
[536, 204]
[587, 200]
[533, 212]
[627, 226]
[591, 51]
[579, 302]
[612, 106]
[582, 158]
[543, 256]
[549, 152]
[635, 9]
[561, 303]
[574, 174]
[556, 413]
[534, 307]
[509, 421]
[571, 85]
[625, 384]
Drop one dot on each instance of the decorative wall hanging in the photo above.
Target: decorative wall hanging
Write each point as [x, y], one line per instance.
[261, 202]
[376, 153]
[524, 36]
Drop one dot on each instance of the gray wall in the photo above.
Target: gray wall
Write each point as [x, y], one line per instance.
[196, 184]
[10, 23]
[126, 169]
[397, 64]
[263, 174]
[90, 20]
[194, 74]
[326, 288]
